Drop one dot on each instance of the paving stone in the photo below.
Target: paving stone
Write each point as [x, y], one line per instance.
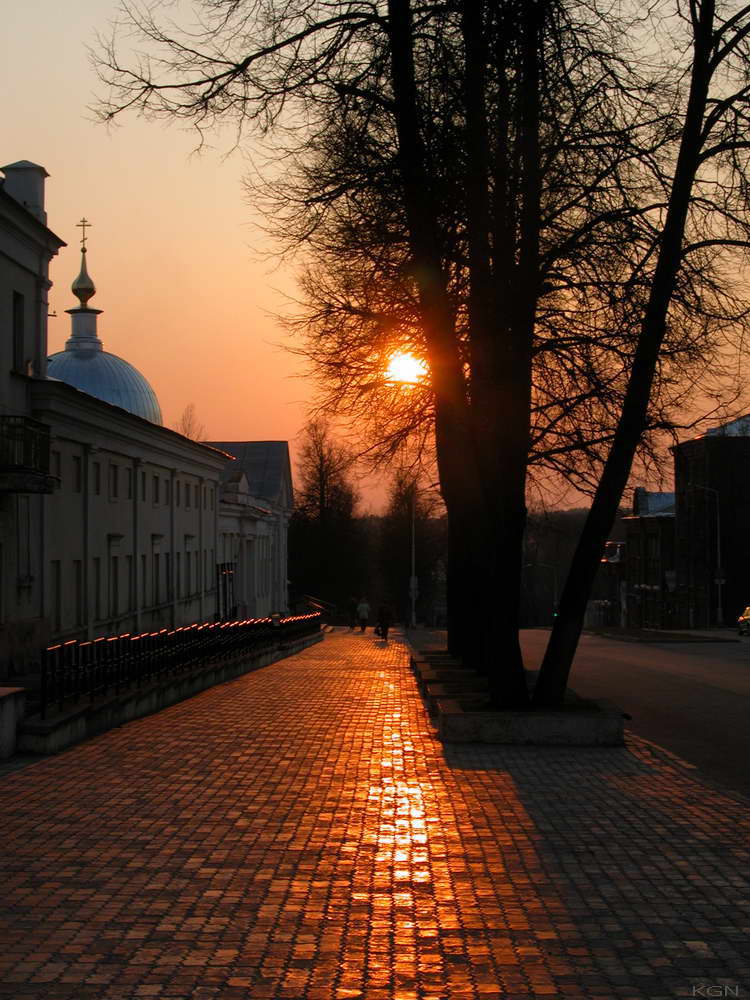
[300, 833]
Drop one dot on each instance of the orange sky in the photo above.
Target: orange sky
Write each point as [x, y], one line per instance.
[174, 248]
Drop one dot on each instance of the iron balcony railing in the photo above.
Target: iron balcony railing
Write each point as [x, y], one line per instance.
[74, 670]
[24, 445]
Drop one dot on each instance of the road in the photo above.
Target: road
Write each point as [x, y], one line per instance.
[693, 699]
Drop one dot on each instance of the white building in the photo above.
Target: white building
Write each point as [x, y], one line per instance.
[109, 522]
[254, 512]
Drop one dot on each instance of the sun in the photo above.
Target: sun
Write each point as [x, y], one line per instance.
[406, 368]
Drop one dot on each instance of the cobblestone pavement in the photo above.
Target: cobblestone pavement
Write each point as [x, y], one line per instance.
[300, 833]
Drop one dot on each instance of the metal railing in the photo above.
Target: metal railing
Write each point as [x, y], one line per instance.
[24, 444]
[95, 668]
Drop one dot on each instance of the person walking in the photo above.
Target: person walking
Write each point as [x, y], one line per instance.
[363, 614]
[384, 621]
[352, 612]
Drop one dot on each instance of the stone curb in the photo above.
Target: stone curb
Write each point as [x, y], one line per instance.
[457, 697]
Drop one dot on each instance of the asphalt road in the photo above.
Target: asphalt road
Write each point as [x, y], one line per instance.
[693, 699]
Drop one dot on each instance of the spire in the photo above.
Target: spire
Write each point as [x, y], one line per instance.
[83, 336]
[83, 287]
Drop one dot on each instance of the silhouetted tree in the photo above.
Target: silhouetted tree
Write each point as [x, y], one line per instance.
[189, 425]
[326, 556]
[576, 171]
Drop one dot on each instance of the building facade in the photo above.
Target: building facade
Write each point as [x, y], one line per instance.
[109, 522]
[256, 504]
[712, 487]
[650, 561]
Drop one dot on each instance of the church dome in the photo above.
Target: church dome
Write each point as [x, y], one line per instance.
[107, 377]
[86, 366]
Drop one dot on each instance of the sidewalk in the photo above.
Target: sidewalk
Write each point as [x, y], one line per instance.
[299, 833]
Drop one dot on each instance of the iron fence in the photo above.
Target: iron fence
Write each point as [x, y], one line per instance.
[95, 668]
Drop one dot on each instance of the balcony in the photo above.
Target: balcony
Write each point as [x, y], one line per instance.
[24, 456]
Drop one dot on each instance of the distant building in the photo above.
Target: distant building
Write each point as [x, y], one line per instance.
[256, 504]
[650, 600]
[688, 551]
[712, 486]
[110, 522]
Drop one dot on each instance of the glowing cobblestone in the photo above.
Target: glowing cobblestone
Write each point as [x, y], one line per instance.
[300, 833]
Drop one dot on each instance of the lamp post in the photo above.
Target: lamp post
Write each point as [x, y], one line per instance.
[413, 577]
[719, 572]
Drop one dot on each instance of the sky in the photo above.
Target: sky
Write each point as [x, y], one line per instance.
[180, 265]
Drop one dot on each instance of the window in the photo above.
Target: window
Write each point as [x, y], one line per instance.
[144, 583]
[167, 577]
[77, 475]
[177, 494]
[155, 491]
[166, 492]
[177, 575]
[78, 590]
[196, 568]
[97, 478]
[187, 496]
[128, 483]
[97, 588]
[205, 498]
[211, 497]
[19, 360]
[157, 581]
[114, 481]
[143, 486]
[197, 496]
[188, 581]
[114, 586]
[55, 464]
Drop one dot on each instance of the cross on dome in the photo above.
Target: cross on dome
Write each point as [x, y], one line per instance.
[82, 225]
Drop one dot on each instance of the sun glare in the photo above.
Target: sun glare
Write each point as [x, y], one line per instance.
[406, 368]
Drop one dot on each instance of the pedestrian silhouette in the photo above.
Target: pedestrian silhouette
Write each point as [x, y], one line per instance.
[363, 614]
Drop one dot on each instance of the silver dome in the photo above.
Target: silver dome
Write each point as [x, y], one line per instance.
[106, 377]
[86, 366]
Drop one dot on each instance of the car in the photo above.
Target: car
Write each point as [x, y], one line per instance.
[743, 622]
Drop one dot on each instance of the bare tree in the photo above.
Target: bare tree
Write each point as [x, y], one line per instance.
[325, 551]
[545, 276]
[189, 425]
[712, 153]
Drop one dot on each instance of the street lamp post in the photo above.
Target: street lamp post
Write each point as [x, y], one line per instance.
[719, 572]
[413, 577]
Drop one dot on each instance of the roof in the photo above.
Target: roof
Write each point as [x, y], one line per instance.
[11, 201]
[734, 428]
[265, 465]
[649, 504]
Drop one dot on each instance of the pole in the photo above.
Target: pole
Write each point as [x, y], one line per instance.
[413, 580]
[719, 570]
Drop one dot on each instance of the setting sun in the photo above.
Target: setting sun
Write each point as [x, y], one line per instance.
[406, 368]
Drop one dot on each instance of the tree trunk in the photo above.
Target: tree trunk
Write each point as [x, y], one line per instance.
[558, 659]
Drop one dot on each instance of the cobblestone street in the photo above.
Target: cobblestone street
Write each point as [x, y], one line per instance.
[300, 833]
